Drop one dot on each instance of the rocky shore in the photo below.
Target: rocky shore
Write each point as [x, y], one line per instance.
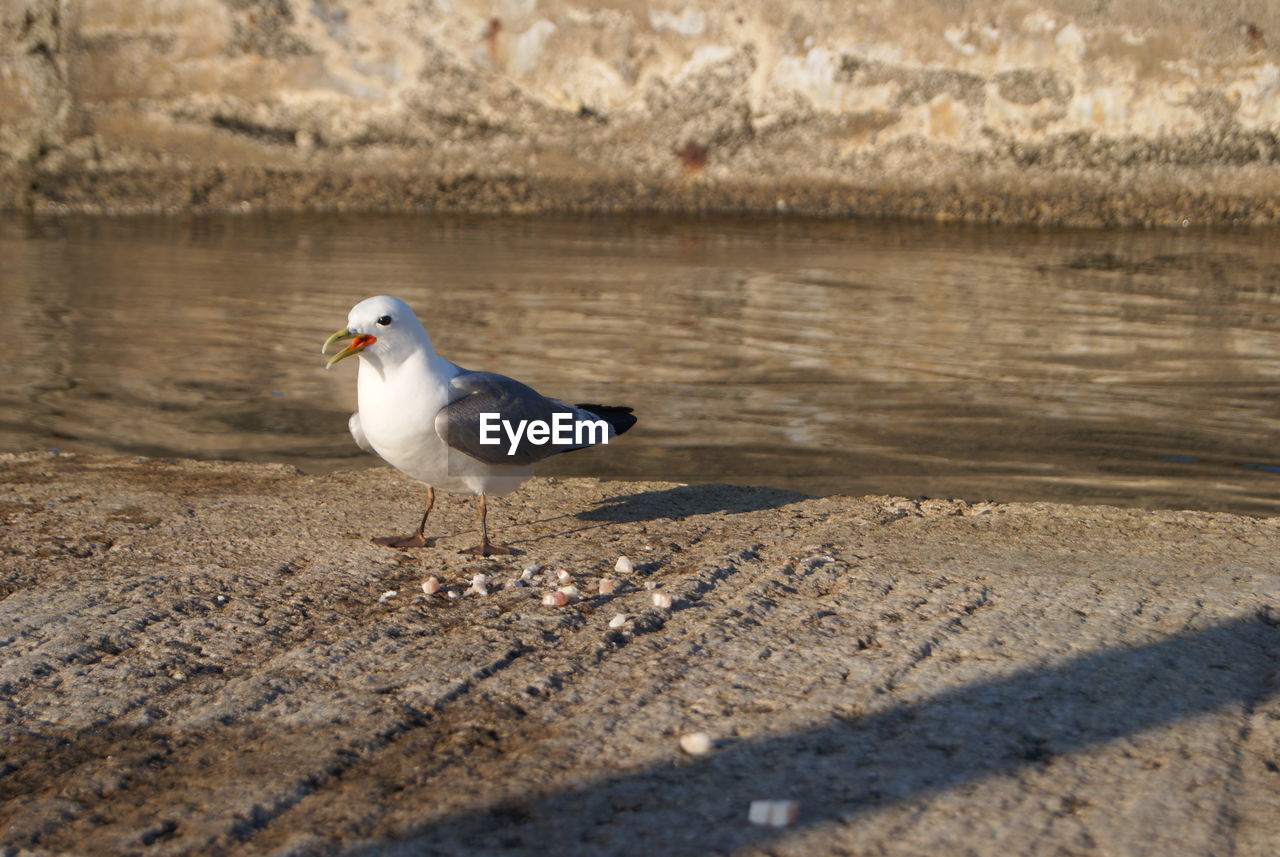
[203, 657]
[1056, 112]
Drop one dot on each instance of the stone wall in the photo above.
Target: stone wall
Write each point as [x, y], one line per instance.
[1055, 111]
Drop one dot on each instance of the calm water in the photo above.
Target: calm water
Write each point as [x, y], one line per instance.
[1132, 368]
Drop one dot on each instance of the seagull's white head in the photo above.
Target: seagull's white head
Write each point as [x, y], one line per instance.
[383, 326]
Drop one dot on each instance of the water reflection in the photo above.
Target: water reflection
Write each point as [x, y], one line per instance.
[1133, 368]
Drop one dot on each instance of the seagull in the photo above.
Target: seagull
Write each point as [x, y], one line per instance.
[455, 430]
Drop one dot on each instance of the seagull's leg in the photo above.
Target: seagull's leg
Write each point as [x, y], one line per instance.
[417, 540]
[487, 548]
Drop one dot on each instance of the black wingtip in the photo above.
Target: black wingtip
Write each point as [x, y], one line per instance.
[619, 417]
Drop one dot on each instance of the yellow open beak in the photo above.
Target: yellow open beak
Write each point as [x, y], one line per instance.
[359, 342]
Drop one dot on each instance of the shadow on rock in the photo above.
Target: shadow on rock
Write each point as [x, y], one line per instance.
[858, 764]
[678, 503]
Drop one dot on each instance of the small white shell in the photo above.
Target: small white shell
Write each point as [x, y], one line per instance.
[662, 599]
[624, 565]
[773, 813]
[618, 620]
[607, 585]
[390, 593]
[696, 743]
[431, 585]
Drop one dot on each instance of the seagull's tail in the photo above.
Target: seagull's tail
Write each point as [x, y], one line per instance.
[618, 417]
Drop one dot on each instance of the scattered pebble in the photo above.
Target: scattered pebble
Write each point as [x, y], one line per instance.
[624, 565]
[773, 813]
[618, 620]
[607, 585]
[563, 575]
[651, 584]
[453, 593]
[512, 584]
[572, 591]
[390, 593]
[662, 599]
[220, 600]
[431, 585]
[530, 571]
[479, 584]
[696, 743]
[555, 599]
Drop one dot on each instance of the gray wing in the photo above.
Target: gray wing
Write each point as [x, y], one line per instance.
[357, 432]
[477, 393]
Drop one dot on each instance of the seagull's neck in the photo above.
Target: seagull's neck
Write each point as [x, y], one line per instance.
[422, 360]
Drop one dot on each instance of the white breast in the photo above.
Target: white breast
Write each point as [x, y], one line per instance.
[397, 415]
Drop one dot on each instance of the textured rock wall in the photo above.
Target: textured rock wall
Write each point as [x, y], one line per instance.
[1051, 111]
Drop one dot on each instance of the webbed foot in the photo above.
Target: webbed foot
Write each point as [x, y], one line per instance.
[488, 549]
[417, 540]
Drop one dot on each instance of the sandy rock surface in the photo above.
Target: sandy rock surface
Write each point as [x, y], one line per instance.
[211, 658]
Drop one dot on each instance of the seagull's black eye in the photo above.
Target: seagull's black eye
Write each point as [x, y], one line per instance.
[385, 320]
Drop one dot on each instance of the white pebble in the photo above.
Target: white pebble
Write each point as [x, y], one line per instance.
[431, 585]
[390, 593]
[530, 571]
[555, 599]
[572, 591]
[624, 565]
[662, 599]
[696, 743]
[479, 584]
[453, 593]
[563, 575]
[618, 621]
[773, 813]
[607, 585]
[651, 584]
